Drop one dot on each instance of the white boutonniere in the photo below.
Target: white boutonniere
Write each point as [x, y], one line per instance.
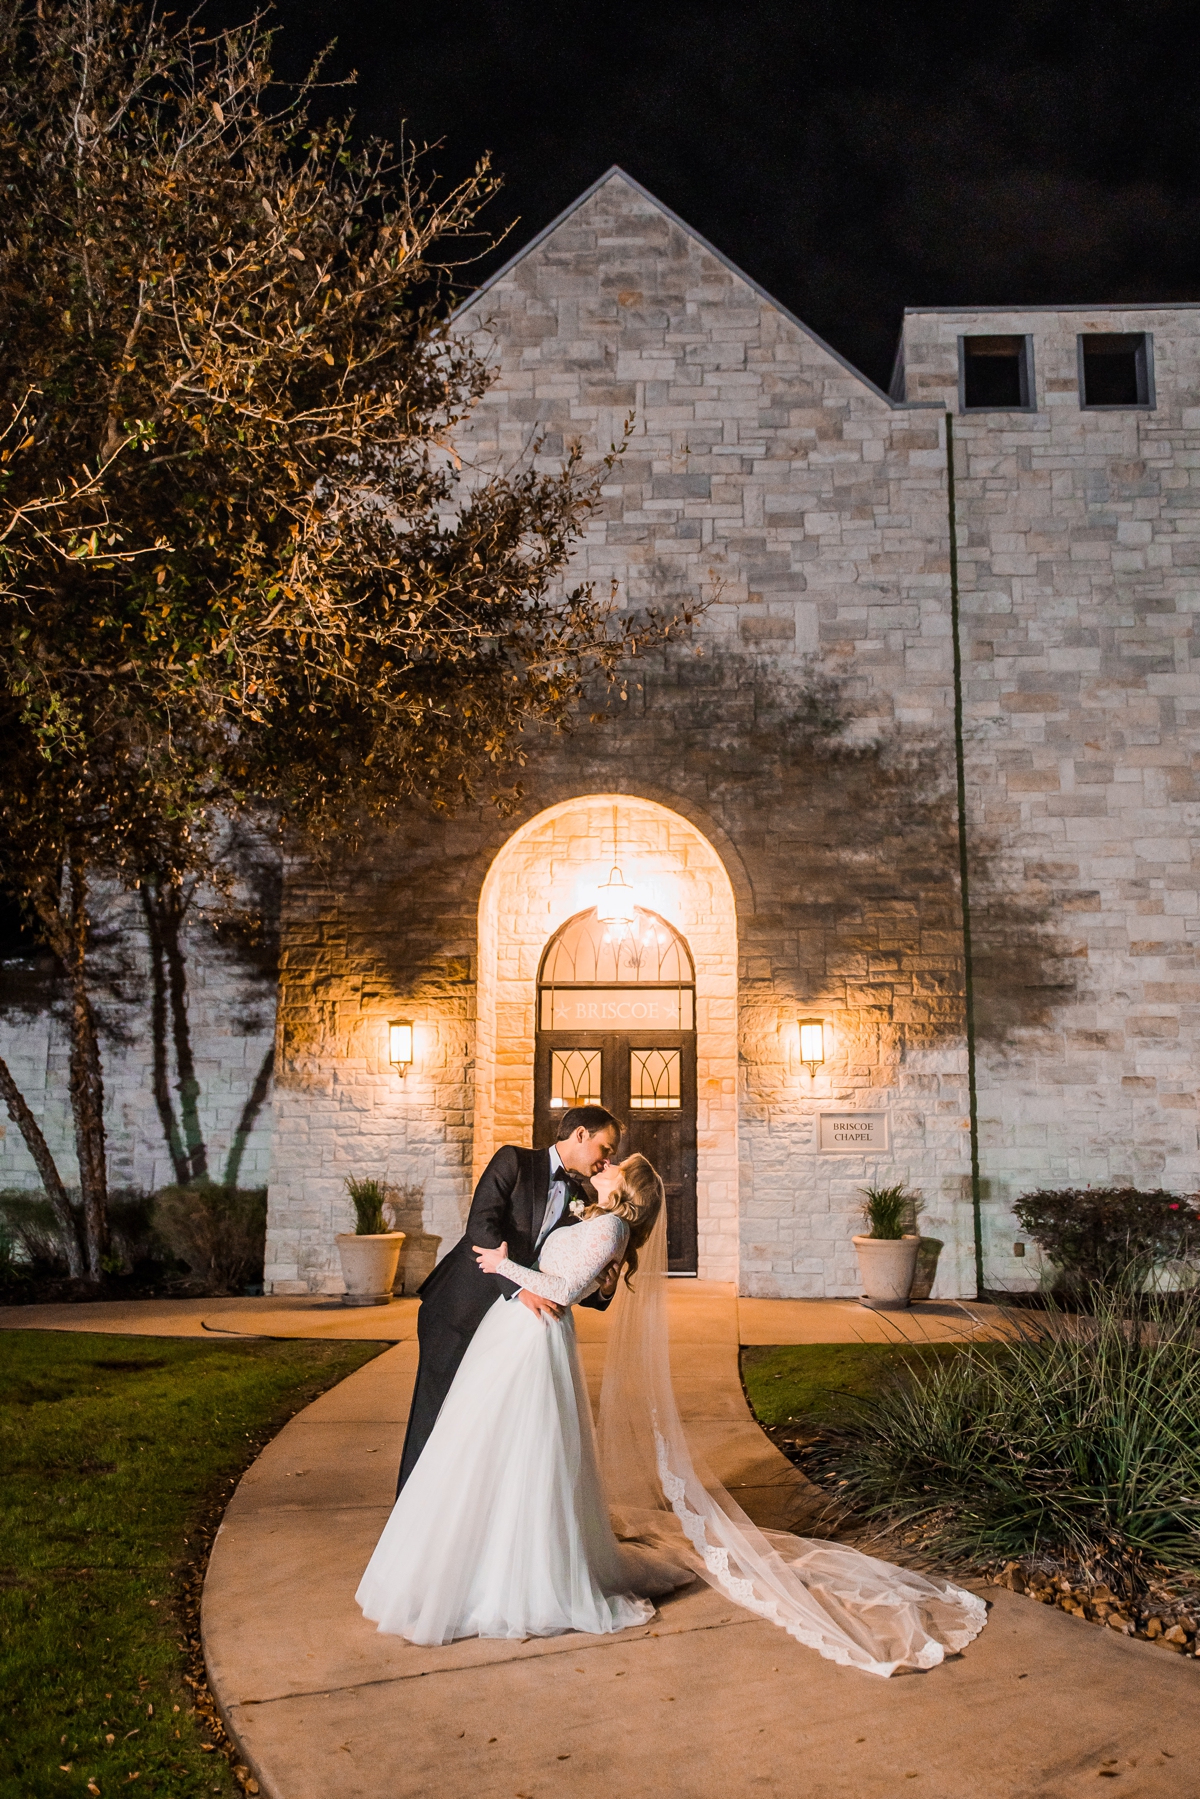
[577, 1208]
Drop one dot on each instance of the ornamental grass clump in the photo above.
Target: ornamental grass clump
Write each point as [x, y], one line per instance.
[1071, 1437]
[373, 1202]
[890, 1212]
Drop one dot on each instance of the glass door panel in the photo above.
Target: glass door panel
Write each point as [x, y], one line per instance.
[654, 1080]
[576, 1078]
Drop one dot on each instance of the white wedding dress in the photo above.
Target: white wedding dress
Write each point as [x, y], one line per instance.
[502, 1529]
[505, 1528]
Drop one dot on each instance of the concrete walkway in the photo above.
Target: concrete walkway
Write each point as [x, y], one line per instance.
[758, 1320]
[711, 1702]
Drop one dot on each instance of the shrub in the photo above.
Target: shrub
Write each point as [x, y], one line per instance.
[32, 1228]
[132, 1237]
[11, 1268]
[1074, 1437]
[220, 1232]
[890, 1211]
[1094, 1235]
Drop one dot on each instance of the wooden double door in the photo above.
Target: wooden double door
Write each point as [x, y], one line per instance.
[647, 1079]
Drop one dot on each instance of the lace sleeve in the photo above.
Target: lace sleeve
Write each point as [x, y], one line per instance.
[576, 1257]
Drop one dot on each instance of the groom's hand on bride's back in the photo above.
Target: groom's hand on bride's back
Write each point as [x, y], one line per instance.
[538, 1306]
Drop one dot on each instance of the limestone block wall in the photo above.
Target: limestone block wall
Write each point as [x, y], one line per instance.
[769, 479]
[776, 1213]
[388, 934]
[1081, 584]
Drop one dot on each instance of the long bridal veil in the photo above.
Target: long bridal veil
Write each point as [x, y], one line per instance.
[853, 1609]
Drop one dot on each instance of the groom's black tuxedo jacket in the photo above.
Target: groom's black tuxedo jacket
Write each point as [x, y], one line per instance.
[508, 1207]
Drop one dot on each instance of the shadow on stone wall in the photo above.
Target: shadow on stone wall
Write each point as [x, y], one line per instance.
[846, 826]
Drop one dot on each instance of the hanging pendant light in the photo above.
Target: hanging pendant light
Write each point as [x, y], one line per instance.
[614, 897]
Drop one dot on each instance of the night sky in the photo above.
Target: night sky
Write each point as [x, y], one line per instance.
[853, 157]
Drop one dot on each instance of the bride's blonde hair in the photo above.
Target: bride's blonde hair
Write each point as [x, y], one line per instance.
[638, 1200]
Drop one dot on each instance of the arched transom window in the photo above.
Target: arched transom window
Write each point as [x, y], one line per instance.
[589, 969]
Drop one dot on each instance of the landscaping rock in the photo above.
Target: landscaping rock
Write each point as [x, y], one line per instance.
[1168, 1624]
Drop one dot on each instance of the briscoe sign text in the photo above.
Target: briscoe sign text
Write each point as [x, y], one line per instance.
[617, 1008]
[849, 1131]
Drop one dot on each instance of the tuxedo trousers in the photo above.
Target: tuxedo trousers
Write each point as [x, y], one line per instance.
[443, 1347]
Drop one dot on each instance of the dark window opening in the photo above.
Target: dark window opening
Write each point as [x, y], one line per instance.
[1115, 369]
[996, 374]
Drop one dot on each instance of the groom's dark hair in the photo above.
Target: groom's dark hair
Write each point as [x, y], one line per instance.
[592, 1118]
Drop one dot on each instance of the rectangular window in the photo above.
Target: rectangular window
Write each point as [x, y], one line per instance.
[574, 1078]
[995, 374]
[1116, 368]
[654, 1080]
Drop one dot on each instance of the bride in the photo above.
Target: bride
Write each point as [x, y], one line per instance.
[513, 1524]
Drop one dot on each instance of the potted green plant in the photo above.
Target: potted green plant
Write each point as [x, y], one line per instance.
[370, 1253]
[887, 1250]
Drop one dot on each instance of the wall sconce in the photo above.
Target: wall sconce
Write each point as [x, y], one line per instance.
[812, 1043]
[400, 1044]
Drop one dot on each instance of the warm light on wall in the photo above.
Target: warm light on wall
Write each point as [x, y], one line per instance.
[400, 1044]
[812, 1043]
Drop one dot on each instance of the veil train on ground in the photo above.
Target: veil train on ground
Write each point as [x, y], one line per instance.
[851, 1608]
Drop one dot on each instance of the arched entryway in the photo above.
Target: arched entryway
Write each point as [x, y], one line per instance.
[616, 1027]
[549, 873]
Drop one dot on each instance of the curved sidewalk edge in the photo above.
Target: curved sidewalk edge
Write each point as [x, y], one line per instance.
[288, 1316]
[705, 1701]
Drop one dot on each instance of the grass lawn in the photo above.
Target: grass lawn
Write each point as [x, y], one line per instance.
[807, 1384]
[116, 1453]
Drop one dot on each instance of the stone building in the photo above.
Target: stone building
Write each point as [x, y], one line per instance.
[778, 787]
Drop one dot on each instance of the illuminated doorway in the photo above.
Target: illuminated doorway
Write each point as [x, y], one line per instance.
[551, 870]
[616, 1027]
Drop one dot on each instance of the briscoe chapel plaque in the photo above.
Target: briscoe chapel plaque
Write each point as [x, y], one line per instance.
[846, 1132]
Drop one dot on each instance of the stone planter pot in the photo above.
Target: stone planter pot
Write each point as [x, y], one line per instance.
[887, 1266]
[369, 1266]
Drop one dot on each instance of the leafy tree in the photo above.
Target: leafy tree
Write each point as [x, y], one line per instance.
[240, 561]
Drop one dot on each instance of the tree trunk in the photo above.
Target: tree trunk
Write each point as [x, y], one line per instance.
[165, 907]
[159, 1073]
[173, 909]
[63, 911]
[39, 1149]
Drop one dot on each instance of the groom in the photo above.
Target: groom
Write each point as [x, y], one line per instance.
[523, 1195]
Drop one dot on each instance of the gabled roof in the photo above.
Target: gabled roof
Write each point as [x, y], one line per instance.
[616, 172]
